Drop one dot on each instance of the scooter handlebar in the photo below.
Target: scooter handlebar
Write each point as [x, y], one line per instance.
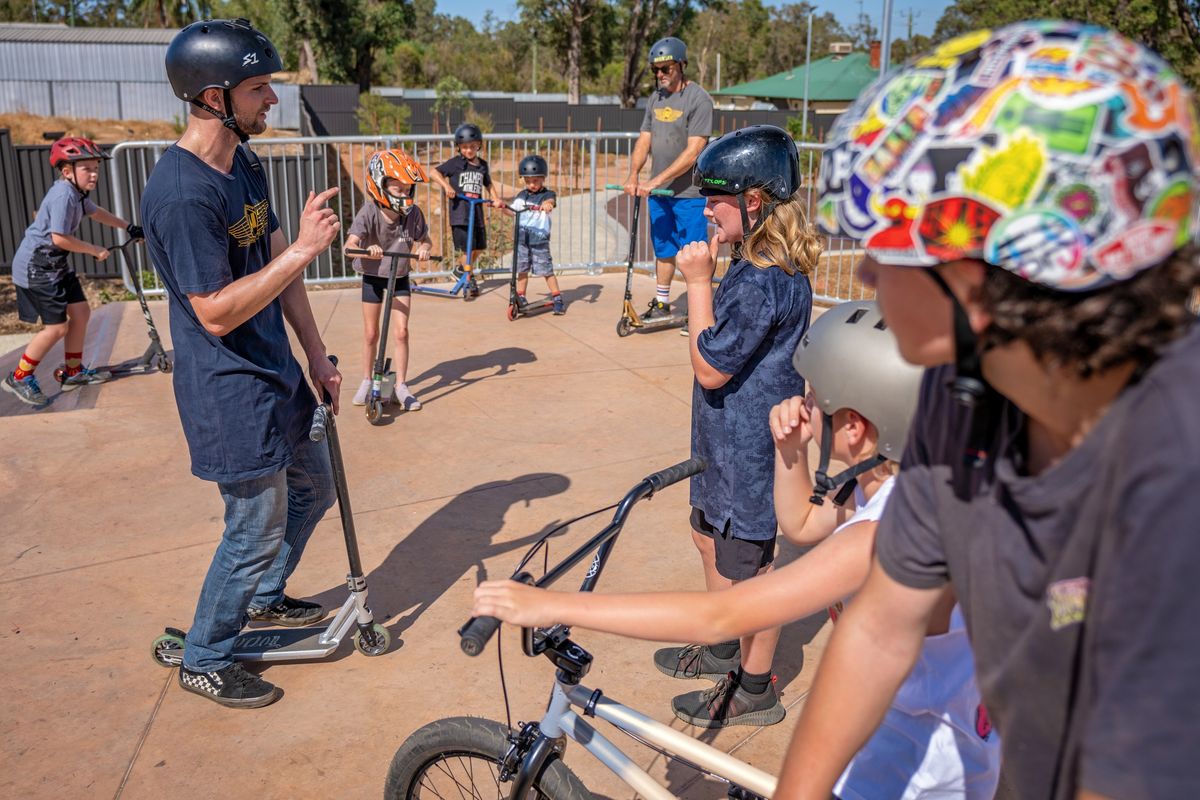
[475, 635]
[320, 418]
[655, 192]
[685, 469]
[390, 254]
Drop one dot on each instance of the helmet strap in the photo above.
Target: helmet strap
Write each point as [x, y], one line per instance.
[228, 119]
[846, 479]
[764, 211]
[970, 392]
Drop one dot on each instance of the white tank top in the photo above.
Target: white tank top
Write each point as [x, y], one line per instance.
[936, 740]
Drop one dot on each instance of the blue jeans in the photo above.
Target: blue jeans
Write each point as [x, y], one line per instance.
[267, 523]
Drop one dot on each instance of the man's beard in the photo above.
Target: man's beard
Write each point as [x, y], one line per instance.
[250, 124]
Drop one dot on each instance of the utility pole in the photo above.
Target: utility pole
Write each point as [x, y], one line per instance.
[535, 62]
[885, 53]
[807, 68]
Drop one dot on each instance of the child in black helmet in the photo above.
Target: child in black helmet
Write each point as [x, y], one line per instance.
[535, 202]
[466, 175]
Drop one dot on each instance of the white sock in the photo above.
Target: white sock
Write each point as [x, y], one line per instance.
[662, 293]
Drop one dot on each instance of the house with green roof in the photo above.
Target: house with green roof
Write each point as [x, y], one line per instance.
[834, 83]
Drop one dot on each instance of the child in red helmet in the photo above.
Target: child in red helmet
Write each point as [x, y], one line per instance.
[47, 287]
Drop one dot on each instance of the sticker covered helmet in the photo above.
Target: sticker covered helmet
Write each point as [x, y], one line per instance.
[70, 149]
[1059, 151]
[398, 166]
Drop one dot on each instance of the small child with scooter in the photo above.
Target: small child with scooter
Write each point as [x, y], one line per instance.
[47, 286]
[392, 223]
[463, 178]
[533, 205]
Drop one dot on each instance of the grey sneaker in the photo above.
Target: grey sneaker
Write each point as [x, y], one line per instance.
[727, 704]
[405, 398]
[560, 308]
[289, 612]
[85, 377]
[364, 389]
[694, 661]
[27, 390]
[657, 309]
[232, 686]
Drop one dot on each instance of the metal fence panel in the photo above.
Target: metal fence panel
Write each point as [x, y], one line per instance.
[591, 223]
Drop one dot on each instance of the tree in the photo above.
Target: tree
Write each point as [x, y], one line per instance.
[451, 96]
[580, 28]
[379, 116]
[349, 35]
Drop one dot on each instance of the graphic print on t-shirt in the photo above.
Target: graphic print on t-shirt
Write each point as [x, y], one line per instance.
[470, 183]
[251, 227]
[666, 114]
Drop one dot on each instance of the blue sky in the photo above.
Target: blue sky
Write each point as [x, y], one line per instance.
[925, 12]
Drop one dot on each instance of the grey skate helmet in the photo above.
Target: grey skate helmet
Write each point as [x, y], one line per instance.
[218, 53]
[668, 49]
[850, 359]
[467, 132]
[755, 157]
[533, 166]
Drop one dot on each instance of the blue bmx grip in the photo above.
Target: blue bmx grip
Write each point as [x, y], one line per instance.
[685, 469]
[477, 633]
[320, 417]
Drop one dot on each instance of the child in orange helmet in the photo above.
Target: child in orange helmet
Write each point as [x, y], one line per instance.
[392, 222]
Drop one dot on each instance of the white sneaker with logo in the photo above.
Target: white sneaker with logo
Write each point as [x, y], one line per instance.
[364, 389]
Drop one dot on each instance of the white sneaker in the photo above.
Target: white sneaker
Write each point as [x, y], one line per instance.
[405, 398]
[364, 389]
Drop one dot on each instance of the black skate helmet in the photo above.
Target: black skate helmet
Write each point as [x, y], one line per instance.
[467, 132]
[218, 53]
[533, 167]
[668, 49]
[757, 157]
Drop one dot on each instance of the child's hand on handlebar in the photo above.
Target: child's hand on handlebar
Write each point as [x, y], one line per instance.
[499, 204]
[791, 422]
[423, 251]
[100, 253]
[375, 251]
[515, 603]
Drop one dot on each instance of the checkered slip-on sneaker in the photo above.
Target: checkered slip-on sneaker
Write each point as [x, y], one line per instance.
[232, 686]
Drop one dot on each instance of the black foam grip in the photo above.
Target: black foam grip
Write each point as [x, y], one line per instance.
[477, 633]
[685, 469]
[317, 432]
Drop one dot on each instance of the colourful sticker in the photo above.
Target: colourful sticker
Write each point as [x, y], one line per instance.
[1143, 244]
[1065, 130]
[946, 55]
[956, 227]
[1008, 175]
[1079, 200]
[1042, 245]
[1174, 204]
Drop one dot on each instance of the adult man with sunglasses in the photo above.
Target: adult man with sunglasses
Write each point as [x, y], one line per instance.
[676, 128]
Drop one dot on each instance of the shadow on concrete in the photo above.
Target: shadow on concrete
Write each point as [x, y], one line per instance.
[451, 542]
[450, 376]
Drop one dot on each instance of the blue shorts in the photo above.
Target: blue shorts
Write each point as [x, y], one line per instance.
[674, 222]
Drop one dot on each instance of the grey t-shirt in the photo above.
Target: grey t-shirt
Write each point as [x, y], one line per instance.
[372, 227]
[37, 261]
[671, 119]
[1108, 539]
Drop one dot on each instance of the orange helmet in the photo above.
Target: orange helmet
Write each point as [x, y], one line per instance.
[399, 166]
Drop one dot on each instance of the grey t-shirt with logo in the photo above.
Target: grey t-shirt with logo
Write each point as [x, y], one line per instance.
[1107, 539]
[37, 261]
[372, 227]
[671, 118]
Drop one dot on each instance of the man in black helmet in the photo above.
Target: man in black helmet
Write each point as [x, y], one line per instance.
[676, 127]
[232, 279]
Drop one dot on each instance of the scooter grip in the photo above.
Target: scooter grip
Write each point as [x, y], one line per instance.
[477, 633]
[685, 469]
[317, 432]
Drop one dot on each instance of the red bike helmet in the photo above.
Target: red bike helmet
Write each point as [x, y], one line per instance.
[70, 149]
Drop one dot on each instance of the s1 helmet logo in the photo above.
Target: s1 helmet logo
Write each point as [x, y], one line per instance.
[249, 58]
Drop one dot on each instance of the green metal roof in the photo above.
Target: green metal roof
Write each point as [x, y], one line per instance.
[832, 78]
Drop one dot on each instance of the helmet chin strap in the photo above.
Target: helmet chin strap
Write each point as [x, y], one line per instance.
[847, 479]
[971, 393]
[227, 120]
[766, 210]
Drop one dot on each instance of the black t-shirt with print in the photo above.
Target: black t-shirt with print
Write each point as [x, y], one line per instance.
[467, 180]
[1107, 540]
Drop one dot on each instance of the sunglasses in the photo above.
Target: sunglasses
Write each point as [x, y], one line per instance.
[666, 68]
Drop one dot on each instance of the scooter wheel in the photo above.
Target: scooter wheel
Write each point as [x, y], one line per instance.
[382, 641]
[164, 364]
[624, 327]
[60, 375]
[374, 411]
[512, 312]
[167, 650]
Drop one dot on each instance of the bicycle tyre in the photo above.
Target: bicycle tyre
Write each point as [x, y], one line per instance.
[459, 738]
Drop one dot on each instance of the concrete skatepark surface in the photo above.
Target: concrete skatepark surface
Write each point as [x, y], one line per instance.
[107, 536]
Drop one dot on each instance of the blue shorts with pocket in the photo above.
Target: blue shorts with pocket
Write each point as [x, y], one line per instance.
[674, 222]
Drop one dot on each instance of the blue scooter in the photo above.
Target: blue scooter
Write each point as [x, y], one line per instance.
[466, 282]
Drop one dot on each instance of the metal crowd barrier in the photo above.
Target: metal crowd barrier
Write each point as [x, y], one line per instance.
[590, 225]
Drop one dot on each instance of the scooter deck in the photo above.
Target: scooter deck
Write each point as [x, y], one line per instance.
[270, 644]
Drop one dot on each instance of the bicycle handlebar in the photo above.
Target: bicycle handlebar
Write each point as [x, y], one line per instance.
[478, 631]
[320, 421]
[360, 253]
[656, 192]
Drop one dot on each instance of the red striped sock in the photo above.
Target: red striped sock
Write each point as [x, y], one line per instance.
[25, 367]
[74, 363]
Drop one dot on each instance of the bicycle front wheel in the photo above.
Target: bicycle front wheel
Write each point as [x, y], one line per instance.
[460, 757]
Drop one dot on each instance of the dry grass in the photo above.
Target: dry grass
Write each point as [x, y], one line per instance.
[28, 129]
[98, 290]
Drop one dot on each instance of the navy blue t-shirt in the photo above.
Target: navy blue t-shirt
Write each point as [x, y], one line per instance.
[242, 397]
[760, 316]
[468, 180]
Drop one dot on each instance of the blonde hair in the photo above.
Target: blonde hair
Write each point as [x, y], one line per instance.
[784, 239]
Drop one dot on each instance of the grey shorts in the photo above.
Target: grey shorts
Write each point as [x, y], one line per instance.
[534, 258]
[737, 559]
